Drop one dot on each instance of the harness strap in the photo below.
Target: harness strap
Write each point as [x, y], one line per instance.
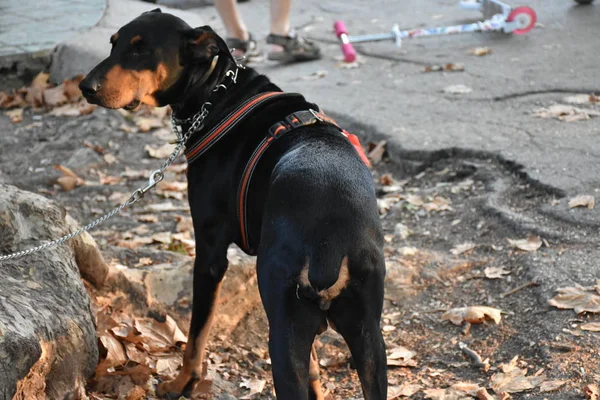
[292, 121]
[230, 122]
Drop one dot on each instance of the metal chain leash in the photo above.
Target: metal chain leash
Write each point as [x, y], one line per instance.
[197, 123]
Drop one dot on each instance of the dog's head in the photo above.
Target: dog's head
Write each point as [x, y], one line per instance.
[149, 56]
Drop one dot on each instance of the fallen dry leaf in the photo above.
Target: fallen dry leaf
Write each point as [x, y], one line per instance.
[115, 352]
[144, 261]
[16, 115]
[582, 98]
[146, 124]
[513, 379]
[256, 386]
[592, 391]
[583, 200]
[590, 326]
[377, 151]
[54, 97]
[446, 394]
[495, 272]
[386, 204]
[549, 386]
[148, 218]
[566, 113]
[480, 51]
[70, 180]
[110, 159]
[462, 248]
[404, 390]
[159, 336]
[401, 357]
[457, 89]
[438, 204]
[577, 298]
[168, 365]
[160, 152]
[473, 315]
[532, 243]
[450, 67]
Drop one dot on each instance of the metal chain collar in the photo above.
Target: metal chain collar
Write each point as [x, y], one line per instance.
[155, 176]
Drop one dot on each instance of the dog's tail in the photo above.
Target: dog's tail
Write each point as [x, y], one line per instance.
[324, 281]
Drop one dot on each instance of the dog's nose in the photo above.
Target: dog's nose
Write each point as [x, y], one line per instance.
[89, 87]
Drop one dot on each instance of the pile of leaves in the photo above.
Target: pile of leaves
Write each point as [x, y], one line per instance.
[134, 352]
[60, 100]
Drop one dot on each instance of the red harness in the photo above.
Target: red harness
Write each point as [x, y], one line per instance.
[292, 121]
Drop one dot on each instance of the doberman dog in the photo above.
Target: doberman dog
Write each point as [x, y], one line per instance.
[310, 209]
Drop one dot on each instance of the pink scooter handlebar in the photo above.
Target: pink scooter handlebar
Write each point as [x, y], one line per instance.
[347, 48]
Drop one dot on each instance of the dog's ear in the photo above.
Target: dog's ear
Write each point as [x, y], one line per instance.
[202, 44]
[152, 11]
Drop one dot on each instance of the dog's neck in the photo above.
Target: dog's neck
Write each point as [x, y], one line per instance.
[197, 87]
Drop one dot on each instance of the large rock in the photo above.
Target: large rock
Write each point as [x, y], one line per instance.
[48, 342]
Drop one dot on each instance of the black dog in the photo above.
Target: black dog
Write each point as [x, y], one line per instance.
[283, 182]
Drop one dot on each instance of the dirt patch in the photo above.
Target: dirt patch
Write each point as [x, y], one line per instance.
[447, 217]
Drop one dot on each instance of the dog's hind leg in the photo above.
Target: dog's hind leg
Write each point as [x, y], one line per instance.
[293, 324]
[356, 316]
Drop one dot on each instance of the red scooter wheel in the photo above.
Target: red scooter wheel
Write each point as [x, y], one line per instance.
[525, 17]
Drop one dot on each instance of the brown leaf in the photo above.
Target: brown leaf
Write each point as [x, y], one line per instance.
[162, 237]
[378, 151]
[137, 393]
[462, 248]
[583, 201]
[401, 357]
[115, 355]
[55, 96]
[110, 159]
[495, 272]
[513, 379]
[174, 186]
[566, 113]
[473, 315]
[480, 51]
[445, 394]
[592, 391]
[168, 365]
[159, 336]
[590, 326]
[71, 88]
[160, 152]
[404, 390]
[467, 387]
[438, 204]
[134, 242]
[531, 244]
[146, 124]
[549, 386]
[148, 218]
[184, 224]
[16, 115]
[70, 180]
[256, 386]
[135, 354]
[576, 298]
[144, 261]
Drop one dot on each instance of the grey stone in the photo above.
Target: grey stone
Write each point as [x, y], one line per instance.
[83, 158]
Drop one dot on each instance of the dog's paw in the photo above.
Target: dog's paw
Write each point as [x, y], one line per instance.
[175, 389]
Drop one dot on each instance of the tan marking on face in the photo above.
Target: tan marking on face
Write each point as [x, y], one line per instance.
[304, 275]
[193, 357]
[114, 37]
[122, 86]
[135, 39]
